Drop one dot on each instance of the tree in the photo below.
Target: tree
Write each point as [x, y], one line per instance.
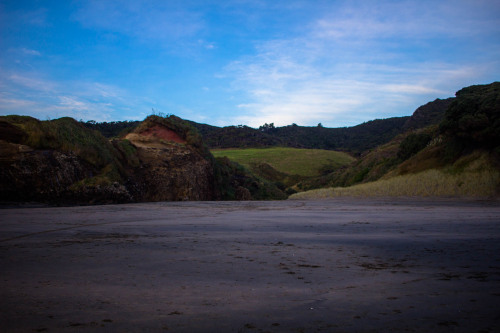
[267, 127]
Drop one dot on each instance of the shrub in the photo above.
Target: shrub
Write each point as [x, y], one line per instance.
[412, 144]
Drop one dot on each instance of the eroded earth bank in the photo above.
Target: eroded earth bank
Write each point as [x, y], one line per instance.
[287, 266]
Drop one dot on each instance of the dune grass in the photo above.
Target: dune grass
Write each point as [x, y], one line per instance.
[293, 161]
[429, 183]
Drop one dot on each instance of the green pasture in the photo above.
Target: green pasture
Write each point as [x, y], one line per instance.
[293, 161]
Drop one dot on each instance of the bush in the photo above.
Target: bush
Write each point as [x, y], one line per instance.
[412, 144]
[229, 176]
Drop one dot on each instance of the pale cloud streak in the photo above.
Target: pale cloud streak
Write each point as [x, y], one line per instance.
[411, 19]
[246, 62]
[30, 94]
[284, 93]
[30, 52]
[352, 65]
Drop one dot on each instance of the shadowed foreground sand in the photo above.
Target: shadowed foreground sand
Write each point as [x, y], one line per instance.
[291, 266]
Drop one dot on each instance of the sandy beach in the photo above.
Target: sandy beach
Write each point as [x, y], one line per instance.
[343, 265]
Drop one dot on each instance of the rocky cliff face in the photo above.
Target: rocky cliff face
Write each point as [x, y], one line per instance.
[26, 173]
[169, 169]
[47, 175]
[159, 165]
[163, 159]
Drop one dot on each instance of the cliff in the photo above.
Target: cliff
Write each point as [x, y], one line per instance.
[62, 161]
[57, 162]
[168, 167]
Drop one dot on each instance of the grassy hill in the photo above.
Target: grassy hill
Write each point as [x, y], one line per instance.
[293, 161]
[447, 147]
[471, 176]
[286, 166]
[64, 134]
[458, 157]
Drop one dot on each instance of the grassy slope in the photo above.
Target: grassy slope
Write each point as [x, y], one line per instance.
[303, 162]
[430, 183]
[68, 135]
[64, 134]
[471, 176]
[462, 158]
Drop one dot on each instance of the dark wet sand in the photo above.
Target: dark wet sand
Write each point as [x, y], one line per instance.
[293, 266]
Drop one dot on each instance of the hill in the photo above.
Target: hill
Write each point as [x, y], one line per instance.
[428, 114]
[355, 139]
[350, 139]
[293, 161]
[62, 161]
[113, 128]
[447, 146]
[373, 138]
[286, 166]
[460, 156]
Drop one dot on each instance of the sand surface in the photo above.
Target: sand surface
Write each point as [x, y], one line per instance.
[343, 265]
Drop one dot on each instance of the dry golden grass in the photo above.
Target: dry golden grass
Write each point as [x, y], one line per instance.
[430, 183]
[474, 175]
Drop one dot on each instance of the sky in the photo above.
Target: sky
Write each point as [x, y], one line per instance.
[242, 62]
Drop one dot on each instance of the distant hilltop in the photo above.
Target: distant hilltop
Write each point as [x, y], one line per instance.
[355, 139]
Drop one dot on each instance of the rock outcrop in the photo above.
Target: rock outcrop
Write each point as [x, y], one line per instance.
[169, 169]
[47, 175]
[153, 163]
[162, 159]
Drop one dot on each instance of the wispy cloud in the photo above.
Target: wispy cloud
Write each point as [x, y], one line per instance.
[11, 105]
[287, 91]
[29, 82]
[31, 94]
[353, 64]
[423, 19]
[248, 62]
[30, 52]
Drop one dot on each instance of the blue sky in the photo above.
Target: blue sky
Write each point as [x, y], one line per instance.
[338, 63]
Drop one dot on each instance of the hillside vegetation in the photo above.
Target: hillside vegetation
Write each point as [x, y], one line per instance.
[292, 161]
[350, 139]
[162, 158]
[113, 128]
[355, 139]
[65, 134]
[285, 167]
[478, 179]
[460, 156]
[447, 147]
